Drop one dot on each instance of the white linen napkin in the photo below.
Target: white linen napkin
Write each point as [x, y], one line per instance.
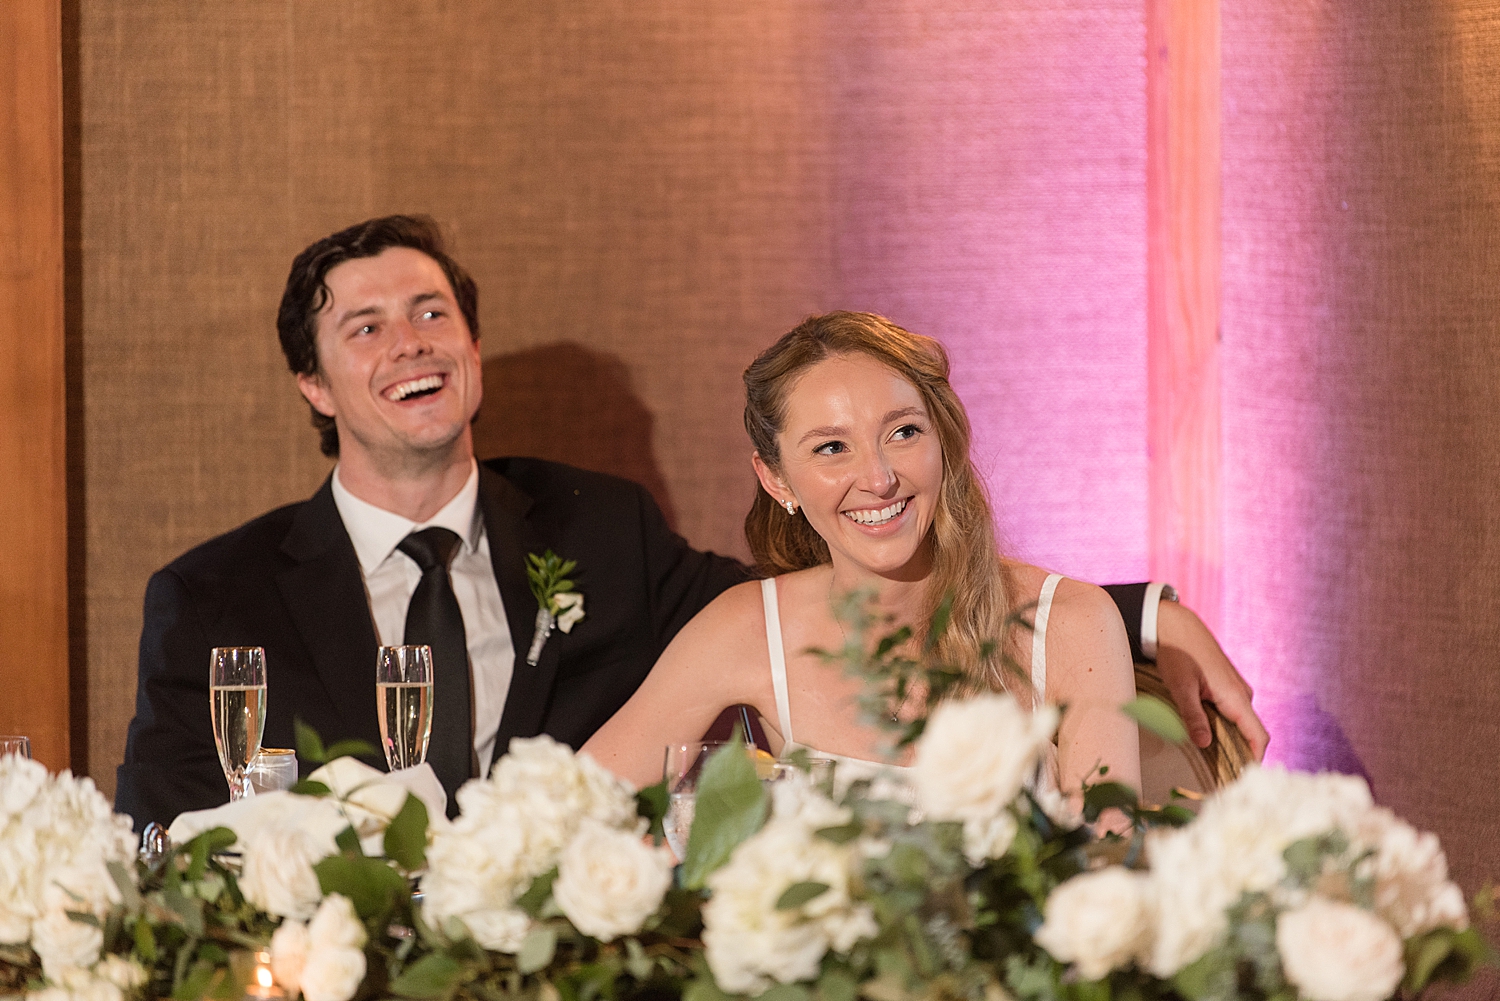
[371, 797]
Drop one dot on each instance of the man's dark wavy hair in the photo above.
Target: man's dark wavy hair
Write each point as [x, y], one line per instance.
[307, 290]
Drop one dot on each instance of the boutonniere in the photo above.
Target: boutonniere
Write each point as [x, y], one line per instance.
[557, 603]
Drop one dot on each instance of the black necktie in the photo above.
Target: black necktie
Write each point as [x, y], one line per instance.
[434, 618]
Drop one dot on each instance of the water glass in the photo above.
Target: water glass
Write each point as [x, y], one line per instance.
[273, 768]
[237, 704]
[681, 769]
[15, 745]
[403, 703]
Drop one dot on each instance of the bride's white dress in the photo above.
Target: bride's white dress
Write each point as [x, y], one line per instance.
[849, 769]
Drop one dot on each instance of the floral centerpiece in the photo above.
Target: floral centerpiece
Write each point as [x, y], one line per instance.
[969, 881]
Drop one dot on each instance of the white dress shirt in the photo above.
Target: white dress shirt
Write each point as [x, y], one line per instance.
[391, 576]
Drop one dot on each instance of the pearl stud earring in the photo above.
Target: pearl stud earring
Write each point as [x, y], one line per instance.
[790, 507]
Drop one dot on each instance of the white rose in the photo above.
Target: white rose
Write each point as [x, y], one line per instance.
[568, 607]
[1333, 951]
[608, 882]
[21, 780]
[63, 943]
[749, 943]
[278, 873]
[974, 759]
[87, 985]
[336, 925]
[333, 974]
[289, 955]
[125, 974]
[1099, 920]
[1236, 845]
[1412, 889]
[501, 929]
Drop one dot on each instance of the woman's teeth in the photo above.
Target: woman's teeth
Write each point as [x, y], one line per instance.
[879, 517]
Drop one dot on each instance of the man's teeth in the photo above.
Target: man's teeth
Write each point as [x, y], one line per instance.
[405, 389]
[879, 517]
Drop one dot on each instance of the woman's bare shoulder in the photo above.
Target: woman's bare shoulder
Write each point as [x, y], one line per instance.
[735, 613]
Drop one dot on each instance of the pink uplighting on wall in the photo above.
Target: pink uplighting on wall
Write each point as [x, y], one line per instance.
[990, 179]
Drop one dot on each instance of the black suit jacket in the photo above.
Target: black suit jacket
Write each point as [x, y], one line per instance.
[290, 582]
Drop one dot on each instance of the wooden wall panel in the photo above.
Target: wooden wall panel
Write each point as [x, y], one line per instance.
[33, 475]
[1182, 206]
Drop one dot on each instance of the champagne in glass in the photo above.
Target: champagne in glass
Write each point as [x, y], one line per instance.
[403, 701]
[237, 702]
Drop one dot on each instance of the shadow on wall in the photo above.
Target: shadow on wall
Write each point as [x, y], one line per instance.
[570, 404]
[1309, 738]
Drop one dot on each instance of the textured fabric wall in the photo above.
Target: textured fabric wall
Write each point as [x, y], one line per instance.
[647, 193]
[1361, 383]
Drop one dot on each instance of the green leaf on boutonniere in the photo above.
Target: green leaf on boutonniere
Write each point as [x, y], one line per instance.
[350, 749]
[548, 576]
[731, 806]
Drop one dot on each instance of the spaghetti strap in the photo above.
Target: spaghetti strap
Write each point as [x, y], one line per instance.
[1039, 639]
[778, 657]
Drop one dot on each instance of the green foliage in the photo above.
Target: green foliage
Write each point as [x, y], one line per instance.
[651, 803]
[310, 748]
[800, 893]
[548, 576]
[429, 977]
[731, 806]
[1151, 713]
[371, 884]
[406, 835]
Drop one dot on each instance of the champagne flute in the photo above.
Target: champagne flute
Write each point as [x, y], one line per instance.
[403, 701]
[237, 702]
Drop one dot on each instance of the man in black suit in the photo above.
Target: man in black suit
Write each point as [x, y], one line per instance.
[381, 328]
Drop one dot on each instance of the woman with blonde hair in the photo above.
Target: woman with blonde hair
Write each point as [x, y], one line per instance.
[862, 453]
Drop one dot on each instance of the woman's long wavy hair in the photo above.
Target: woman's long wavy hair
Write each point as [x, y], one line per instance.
[966, 563]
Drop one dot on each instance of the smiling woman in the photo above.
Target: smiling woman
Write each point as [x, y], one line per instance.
[862, 452]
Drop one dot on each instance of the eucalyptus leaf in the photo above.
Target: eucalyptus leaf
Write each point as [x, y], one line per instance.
[311, 787]
[1103, 795]
[348, 841]
[350, 749]
[406, 835]
[145, 941]
[637, 963]
[837, 985]
[787, 992]
[537, 950]
[537, 893]
[1155, 715]
[800, 893]
[129, 895]
[731, 806]
[651, 803]
[371, 885]
[432, 975]
[309, 744]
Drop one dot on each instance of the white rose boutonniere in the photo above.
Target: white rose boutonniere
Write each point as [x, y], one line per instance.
[557, 603]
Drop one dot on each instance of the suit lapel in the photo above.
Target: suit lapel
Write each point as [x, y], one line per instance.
[325, 596]
[512, 535]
